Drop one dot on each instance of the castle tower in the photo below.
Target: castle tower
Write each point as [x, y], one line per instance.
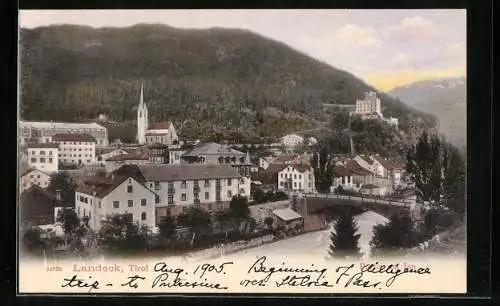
[142, 118]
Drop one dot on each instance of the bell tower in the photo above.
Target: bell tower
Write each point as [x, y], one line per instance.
[142, 118]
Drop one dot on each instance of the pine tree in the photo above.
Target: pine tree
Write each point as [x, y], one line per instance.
[323, 170]
[344, 238]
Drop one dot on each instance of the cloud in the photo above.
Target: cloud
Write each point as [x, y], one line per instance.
[357, 36]
[415, 28]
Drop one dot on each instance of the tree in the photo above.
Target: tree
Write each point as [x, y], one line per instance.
[61, 182]
[424, 166]
[197, 219]
[323, 170]
[269, 222]
[69, 220]
[33, 242]
[120, 234]
[454, 186]
[257, 193]
[167, 227]
[239, 209]
[344, 238]
[394, 236]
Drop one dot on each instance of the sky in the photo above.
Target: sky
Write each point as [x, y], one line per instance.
[385, 48]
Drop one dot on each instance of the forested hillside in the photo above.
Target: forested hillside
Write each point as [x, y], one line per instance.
[225, 82]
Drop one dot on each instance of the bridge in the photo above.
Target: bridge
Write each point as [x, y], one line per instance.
[309, 204]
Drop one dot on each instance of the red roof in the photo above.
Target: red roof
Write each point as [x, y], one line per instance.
[43, 145]
[159, 126]
[356, 168]
[122, 157]
[340, 171]
[74, 137]
[102, 186]
[387, 163]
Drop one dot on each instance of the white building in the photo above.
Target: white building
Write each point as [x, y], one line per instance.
[123, 195]
[43, 156]
[210, 187]
[291, 140]
[31, 131]
[370, 104]
[156, 133]
[296, 177]
[76, 149]
[106, 153]
[34, 177]
[162, 133]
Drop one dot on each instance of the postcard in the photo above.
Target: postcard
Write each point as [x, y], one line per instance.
[242, 151]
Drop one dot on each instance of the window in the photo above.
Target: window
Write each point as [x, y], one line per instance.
[157, 199]
[229, 194]
[207, 195]
[116, 204]
[294, 184]
[129, 189]
[196, 195]
[242, 191]
[33, 160]
[281, 175]
[207, 183]
[143, 216]
[309, 176]
[229, 181]
[42, 160]
[183, 185]
[50, 152]
[42, 152]
[38, 176]
[84, 212]
[143, 202]
[50, 159]
[170, 199]
[300, 176]
[183, 197]
[209, 206]
[130, 203]
[99, 204]
[281, 183]
[295, 176]
[157, 185]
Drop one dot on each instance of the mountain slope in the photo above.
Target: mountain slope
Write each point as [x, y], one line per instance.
[231, 83]
[446, 98]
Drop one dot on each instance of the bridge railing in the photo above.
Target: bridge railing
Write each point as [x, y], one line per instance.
[363, 198]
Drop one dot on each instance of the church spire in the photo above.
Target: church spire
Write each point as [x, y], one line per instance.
[141, 99]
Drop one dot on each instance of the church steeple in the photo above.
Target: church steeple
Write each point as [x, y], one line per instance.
[142, 118]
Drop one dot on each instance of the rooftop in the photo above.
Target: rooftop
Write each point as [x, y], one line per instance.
[43, 145]
[159, 126]
[211, 148]
[163, 173]
[286, 214]
[73, 137]
[68, 125]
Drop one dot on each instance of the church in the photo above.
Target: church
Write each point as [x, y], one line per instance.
[156, 133]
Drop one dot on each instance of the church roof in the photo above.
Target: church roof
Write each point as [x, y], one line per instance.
[159, 126]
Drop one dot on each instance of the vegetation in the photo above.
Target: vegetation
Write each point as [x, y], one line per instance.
[214, 83]
[120, 234]
[344, 238]
[323, 170]
[395, 237]
[259, 196]
[438, 171]
[62, 182]
[69, 220]
[239, 209]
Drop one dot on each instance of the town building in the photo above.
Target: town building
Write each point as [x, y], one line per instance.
[105, 153]
[31, 131]
[291, 140]
[178, 187]
[288, 219]
[34, 177]
[216, 154]
[374, 190]
[156, 133]
[369, 105]
[296, 177]
[162, 133]
[37, 207]
[76, 149]
[137, 158]
[43, 156]
[98, 198]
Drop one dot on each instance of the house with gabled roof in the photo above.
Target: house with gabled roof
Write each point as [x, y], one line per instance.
[99, 197]
[37, 207]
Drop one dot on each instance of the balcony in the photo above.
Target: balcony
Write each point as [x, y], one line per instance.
[171, 190]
